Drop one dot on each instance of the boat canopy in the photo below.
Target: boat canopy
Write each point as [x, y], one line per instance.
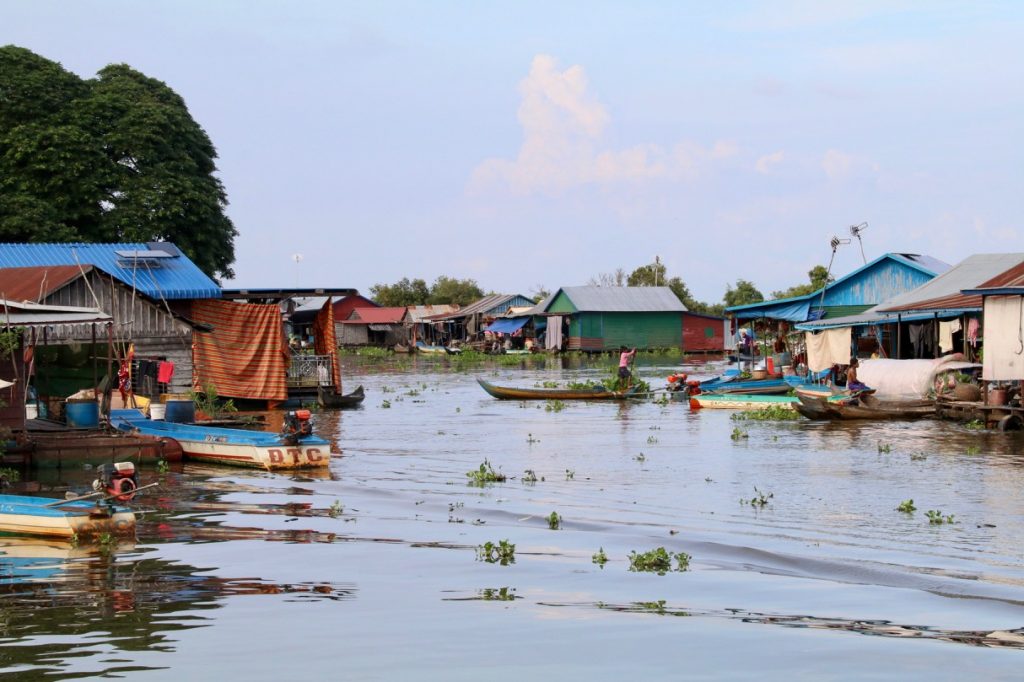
[507, 325]
[791, 311]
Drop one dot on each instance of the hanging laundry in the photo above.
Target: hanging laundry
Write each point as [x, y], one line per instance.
[946, 331]
[164, 372]
[973, 327]
[827, 348]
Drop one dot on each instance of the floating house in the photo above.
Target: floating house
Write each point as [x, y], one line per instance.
[594, 318]
[467, 324]
[382, 327]
[422, 327]
[344, 306]
[703, 333]
[880, 280]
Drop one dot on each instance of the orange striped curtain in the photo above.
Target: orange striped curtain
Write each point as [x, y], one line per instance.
[324, 341]
[246, 354]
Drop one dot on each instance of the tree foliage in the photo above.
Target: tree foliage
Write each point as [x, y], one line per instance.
[743, 293]
[656, 274]
[114, 158]
[406, 292]
[818, 276]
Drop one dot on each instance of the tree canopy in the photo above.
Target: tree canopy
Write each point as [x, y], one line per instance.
[818, 276]
[114, 158]
[406, 292]
[656, 274]
[743, 293]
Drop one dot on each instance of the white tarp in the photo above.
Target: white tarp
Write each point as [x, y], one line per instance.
[907, 379]
[827, 348]
[1004, 338]
[553, 338]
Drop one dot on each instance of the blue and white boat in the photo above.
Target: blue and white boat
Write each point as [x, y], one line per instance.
[236, 447]
[83, 519]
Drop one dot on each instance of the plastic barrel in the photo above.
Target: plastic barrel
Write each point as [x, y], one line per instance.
[180, 411]
[83, 414]
[157, 411]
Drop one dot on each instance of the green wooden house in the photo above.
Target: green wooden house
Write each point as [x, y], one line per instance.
[593, 318]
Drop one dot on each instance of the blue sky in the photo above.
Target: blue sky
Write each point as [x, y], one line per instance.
[539, 143]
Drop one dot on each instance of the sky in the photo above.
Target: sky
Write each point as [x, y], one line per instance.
[531, 145]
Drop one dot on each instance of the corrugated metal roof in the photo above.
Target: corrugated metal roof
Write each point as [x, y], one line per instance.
[943, 292]
[36, 283]
[392, 315]
[27, 314]
[419, 313]
[174, 277]
[480, 306]
[622, 299]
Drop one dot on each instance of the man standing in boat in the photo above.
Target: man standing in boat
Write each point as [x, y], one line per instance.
[625, 358]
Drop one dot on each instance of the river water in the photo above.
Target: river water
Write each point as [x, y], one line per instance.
[371, 571]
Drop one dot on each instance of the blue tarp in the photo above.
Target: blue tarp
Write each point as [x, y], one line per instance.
[507, 325]
[792, 312]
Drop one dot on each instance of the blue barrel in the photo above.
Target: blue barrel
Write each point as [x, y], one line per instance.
[82, 414]
[180, 411]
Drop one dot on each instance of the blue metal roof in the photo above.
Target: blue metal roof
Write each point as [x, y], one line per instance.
[158, 269]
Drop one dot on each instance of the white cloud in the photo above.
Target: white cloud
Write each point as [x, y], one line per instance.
[765, 163]
[563, 126]
[836, 164]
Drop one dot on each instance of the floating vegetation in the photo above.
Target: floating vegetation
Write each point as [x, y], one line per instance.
[503, 553]
[651, 440]
[918, 457]
[11, 475]
[529, 476]
[640, 457]
[554, 521]
[386, 404]
[975, 425]
[658, 561]
[412, 392]
[599, 558]
[936, 518]
[162, 467]
[738, 434]
[531, 440]
[386, 389]
[485, 474]
[907, 507]
[884, 448]
[554, 406]
[570, 474]
[771, 413]
[662, 400]
[499, 594]
[973, 450]
[759, 500]
[335, 510]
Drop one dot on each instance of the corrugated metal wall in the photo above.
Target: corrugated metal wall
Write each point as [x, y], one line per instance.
[608, 331]
[702, 333]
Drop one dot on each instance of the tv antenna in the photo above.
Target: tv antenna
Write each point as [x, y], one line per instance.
[855, 231]
[835, 243]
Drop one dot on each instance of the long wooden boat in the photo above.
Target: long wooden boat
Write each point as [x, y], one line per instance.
[45, 516]
[331, 400]
[596, 393]
[236, 447]
[864, 406]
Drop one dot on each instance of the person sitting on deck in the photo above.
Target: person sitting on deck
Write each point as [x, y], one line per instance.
[851, 378]
[625, 356]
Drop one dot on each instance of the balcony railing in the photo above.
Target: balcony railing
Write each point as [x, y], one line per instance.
[309, 371]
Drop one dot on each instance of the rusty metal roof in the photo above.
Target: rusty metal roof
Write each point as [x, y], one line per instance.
[420, 313]
[392, 315]
[36, 283]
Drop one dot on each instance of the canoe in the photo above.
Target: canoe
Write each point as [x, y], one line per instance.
[331, 400]
[863, 407]
[596, 393]
[747, 387]
[236, 447]
[86, 519]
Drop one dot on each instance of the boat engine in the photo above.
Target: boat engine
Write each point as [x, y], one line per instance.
[296, 426]
[119, 480]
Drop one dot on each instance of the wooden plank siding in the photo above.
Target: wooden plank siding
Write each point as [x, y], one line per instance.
[597, 331]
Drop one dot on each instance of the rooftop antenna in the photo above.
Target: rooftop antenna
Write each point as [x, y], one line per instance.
[297, 257]
[855, 231]
[835, 243]
[657, 262]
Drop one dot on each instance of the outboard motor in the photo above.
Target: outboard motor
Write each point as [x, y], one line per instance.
[119, 480]
[296, 426]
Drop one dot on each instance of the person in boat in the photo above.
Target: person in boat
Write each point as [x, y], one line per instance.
[625, 357]
[852, 384]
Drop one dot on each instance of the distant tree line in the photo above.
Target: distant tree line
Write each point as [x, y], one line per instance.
[406, 292]
[115, 158]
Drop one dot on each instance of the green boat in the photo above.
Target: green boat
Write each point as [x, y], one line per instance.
[595, 393]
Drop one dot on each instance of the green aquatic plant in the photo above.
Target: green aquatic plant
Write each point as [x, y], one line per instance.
[738, 434]
[529, 476]
[386, 404]
[570, 474]
[907, 507]
[554, 521]
[335, 510]
[640, 457]
[503, 553]
[975, 425]
[884, 448]
[759, 500]
[554, 406]
[651, 440]
[918, 457]
[599, 557]
[485, 474]
[935, 517]
[658, 561]
[162, 466]
[499, 594]
[771, 413]
[657, 607]
[531, 440]
[973, 450]
[374, 352]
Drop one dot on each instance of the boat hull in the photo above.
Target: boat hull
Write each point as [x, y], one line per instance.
[867, 407]
[717, 401]
[511, 393]
[23, 515]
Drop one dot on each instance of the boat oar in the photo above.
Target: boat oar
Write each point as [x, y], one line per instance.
[98, 493]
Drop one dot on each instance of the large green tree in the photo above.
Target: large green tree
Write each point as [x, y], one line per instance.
[114, 158]
[744, 292]
[404, 292]
[451, 290]
[656, 274]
